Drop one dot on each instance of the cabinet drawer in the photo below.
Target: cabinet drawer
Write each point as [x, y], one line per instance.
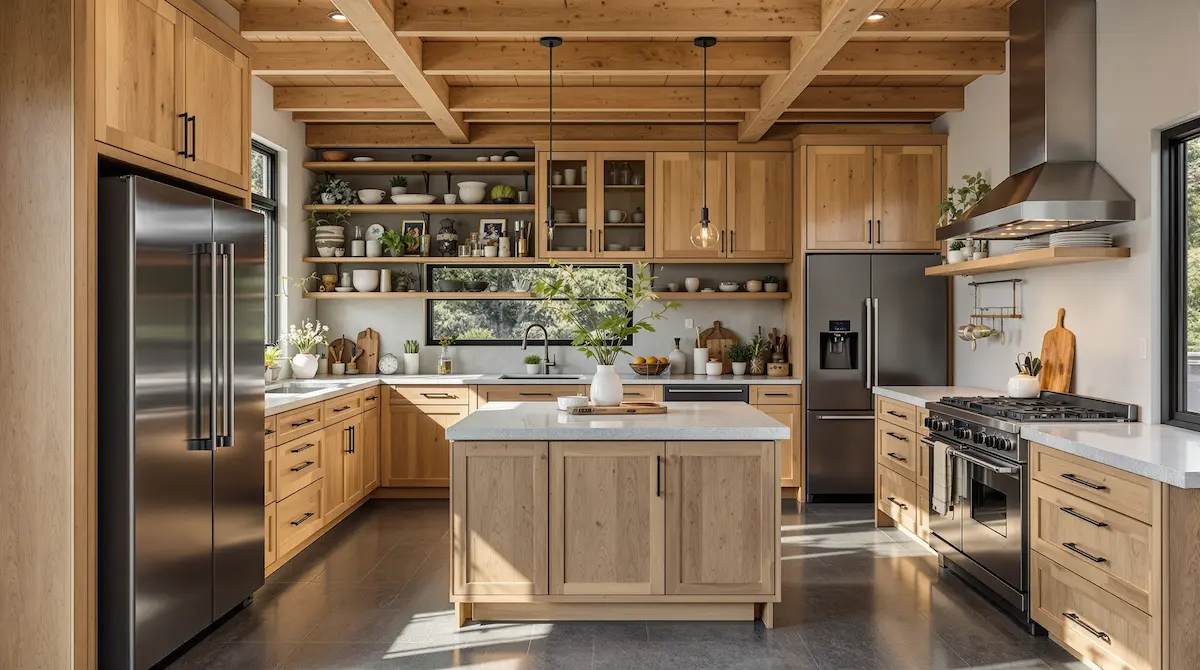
[299, 463]
[641, 393]
[531, 393]
[268, 432]
[774, 395]
[922, 415]
[1119, 491]
[370, 397]
[896, 413]
[297, 517]
[896, 497]
[269, 476]
[269, 544]
[428, 395]
[1099, 626]
[1109, 549]
[297, 422]
[344, 406]
[896, 448]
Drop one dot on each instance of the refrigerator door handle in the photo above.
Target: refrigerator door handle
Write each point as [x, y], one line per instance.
[225, 437]
[202, 440]
[875, 339]
[868, 345]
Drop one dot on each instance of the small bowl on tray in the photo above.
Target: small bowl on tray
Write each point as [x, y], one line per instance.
[650, 369]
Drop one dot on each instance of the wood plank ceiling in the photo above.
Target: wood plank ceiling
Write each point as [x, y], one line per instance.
[477, 62]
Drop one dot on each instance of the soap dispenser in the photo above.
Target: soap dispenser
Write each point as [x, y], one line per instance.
[678, 360]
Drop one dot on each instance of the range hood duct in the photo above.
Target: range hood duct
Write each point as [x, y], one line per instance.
[1056, 182]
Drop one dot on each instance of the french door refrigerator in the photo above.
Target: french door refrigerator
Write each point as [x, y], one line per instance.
[871, 319]
[180, 487]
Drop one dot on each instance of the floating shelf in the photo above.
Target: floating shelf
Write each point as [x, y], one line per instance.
[578, 187]
[482, 208]
[1029, 259]
[398, 295]
[411, 167]
[722, 295]
[628, 187]
[437, 260]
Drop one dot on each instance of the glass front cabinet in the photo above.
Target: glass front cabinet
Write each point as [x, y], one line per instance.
[602, 204]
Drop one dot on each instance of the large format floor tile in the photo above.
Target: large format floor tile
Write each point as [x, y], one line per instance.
[372, 594]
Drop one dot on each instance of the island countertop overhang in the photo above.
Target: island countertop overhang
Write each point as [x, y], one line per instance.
[684, 421]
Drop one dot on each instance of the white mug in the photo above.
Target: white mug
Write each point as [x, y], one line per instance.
[617, 216]
[358, 248]
[569, 176]
[581, 215]
[450, 198]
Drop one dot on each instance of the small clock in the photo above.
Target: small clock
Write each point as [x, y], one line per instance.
[389, 364]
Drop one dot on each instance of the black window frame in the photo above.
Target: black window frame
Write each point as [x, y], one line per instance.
[269, 205]
[432, 340]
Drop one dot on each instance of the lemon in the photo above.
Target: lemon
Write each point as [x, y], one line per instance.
[639, 361]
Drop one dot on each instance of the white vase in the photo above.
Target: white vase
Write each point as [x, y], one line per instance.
[739, 368]
[606, 390]
[699, 358]
[412, 364]
[304, 366]
[1024, 386]
[328, 199]
[533, 368]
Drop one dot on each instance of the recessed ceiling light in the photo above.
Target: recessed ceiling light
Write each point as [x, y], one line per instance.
[337, 16]
[874, 17]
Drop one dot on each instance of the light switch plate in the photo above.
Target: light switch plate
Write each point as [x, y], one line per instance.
[688, 324]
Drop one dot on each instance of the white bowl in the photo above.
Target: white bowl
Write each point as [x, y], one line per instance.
[365, 281]
[729, 287]
[481, 159]
[568, 401]
[413, 199]
[363, 159]
[471, 192]
[497, 158]
[511, 159]
[371, 196]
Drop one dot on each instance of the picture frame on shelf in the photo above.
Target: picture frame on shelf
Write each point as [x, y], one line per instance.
[493, 229]
[414, 229]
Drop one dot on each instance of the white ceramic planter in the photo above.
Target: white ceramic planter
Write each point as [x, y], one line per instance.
[471, 192]
[607, 389]
[739, 368]
[771, 288]
[412, 364]
[1024, 386]
[399, 190]
[956, 255]
[533, 368]
[327, 199]
[713, 368]
[304, 366]
[328, 239]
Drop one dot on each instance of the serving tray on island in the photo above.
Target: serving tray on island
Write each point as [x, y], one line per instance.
[623, 408]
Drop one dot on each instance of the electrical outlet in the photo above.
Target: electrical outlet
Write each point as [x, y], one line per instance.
[688, 324]
[1143, 348]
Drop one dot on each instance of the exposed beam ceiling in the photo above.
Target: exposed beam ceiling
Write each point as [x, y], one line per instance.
[610, 118]
[317, 58]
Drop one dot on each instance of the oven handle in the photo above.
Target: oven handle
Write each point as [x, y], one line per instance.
[992, 467]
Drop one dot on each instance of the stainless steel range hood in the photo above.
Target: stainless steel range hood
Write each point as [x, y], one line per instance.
[1056, 181]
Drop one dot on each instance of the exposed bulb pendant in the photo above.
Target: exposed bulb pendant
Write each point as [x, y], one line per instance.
[704, 234]
[550, 43]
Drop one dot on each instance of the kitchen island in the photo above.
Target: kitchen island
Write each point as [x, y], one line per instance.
[650, 517]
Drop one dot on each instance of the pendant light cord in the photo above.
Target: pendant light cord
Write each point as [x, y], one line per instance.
[550, 164]
[704, 125]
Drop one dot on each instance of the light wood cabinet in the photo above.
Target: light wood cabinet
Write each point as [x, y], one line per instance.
[268, 476]
[270, 545]
[415, 449]
[901, 468]
[678, 177]
[370, 450]
[352, 470]
[298, 517]
[760, 205]
[908, 189]
[499, 518]
[839, 198]
[896, 448]
[615, 191]
[217, 96]
[299, 463]
[606, 518]
[301, 421]
[269, 432]
[343, 467]
[896, 496]
[790, 473]
[530, 393]
[721, 514]
[572, 238]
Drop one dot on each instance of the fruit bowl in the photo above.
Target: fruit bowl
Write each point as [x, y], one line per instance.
[649, 369]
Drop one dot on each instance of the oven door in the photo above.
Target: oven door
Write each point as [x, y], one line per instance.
[993, 531]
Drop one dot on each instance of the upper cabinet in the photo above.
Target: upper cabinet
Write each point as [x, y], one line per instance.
[600, 203]
[171, 90]
[872, 197]
[678, 198]
[760, 205]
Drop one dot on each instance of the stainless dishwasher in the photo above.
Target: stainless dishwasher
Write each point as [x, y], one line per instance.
[706, 392]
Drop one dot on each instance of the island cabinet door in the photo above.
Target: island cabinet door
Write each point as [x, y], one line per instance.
[606, 518]
[499, 519]
[721, 525]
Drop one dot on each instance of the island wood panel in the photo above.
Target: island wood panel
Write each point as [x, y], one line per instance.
[760, 205]
[678, 177]
[896, 448]
[298, 516]
[721, 525]
[269, 432]
[217, 96]
[908, 189]
[790, 459]
[526, 393]
[268, 476]
[416, 451]
[499, 518]
[606, 518]
[840, 197]
[895, 497]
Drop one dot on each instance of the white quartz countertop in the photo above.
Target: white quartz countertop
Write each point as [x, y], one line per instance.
[1163, 453]
[919, 396]
[684, 421]
[282, 402]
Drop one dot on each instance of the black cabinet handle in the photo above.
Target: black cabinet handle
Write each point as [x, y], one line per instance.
[184, 153]
[1071, 547]
[898, 415]
[1082, 624]
[192, 155]
[870, 231]
[268, 431]
[440, 396]
[342, 409]
[1083, 482]
[1077, 515]
[897, 457]
[658, 476]
[731, 241]
[878, 230]
[898, 437]
[302, 466]
[353, 439]
[306, 421]
[535, 395]
[306, 447]
[306, 517]
[372, 397]
[898, 503]
[778, 395]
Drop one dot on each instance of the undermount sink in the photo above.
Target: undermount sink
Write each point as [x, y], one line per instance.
[541, 377]
[293, 388]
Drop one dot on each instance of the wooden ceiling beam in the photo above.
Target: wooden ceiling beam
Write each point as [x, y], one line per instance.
[373, 19]
[344, 99]
[607, 117]
[934, 23]
[840, 19]
[329, 135]
[827, 99]
[360, 117]
[601, 99]
[613, 118]
[917, 58]
[317, 58]
[308, 22]
[604, 58]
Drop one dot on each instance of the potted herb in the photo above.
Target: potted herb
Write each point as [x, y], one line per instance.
[394, 242]
[412, 360]
[956, 253]
[333, 191]
[307, 337]
[739, 357]
[533, 364]
[271, 358]
[597, 330]
[759, 350]
[771, 284]
[399, 185]
[403, 280]
[960, 200]
[445, 364]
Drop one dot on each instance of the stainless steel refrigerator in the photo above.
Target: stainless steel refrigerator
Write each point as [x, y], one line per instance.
[180, 487]
[871, 319]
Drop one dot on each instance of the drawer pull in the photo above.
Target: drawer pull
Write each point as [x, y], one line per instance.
[306, 421]
[1071, 547]
[778, 395]
[342, 409]
[897, 437]
[441, 396]
[897, 457]
[302, 466]
[898, 415]
[1083, 482]
[267, 432]
[372, 397]
[306, 447]
[1082, 624]
[897, 502]
[306, 517]
[1077, 515]
[535, 395]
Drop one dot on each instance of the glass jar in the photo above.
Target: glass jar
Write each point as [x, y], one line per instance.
[445, 365]
[626, 174]
[614, 175]
[447, 238]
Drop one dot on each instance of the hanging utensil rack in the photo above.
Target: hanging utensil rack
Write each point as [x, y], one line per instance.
[995, 315]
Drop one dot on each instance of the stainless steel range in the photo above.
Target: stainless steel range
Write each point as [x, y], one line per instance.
[982, 531]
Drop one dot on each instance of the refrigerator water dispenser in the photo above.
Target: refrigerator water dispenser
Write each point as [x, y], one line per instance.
[839, 347]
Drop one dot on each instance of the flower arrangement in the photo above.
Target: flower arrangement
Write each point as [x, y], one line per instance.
[307, 337]
[271, 356]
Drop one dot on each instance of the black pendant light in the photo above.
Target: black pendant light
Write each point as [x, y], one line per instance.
[705, 236]
[550, 43]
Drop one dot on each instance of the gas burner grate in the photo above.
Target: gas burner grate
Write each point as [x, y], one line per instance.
[1032, 409]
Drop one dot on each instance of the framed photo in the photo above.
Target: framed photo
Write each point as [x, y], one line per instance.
[416, 227]
[493, 229]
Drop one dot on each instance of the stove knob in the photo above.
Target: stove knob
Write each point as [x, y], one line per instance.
[1005, 444]
[980, 438]
[966, 434]
[928, 422]
[991, 441]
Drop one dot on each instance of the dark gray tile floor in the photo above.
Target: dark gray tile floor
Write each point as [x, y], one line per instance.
[372, 594]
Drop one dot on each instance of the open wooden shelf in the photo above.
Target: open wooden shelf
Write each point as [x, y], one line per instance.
[437, 260]
[397, 295]
[482, 208]
[412, 167]
[721, 295]
[1029, 259]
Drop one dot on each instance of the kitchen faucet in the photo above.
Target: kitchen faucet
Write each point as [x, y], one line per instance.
[547, 361]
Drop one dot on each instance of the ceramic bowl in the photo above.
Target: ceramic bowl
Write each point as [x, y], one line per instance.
[471, 192]
[413, 199]
[421, 158]
[449, 286]
[335, 156]
[371, 196]
[566, 402]
[729, 286]
[475, 286]
[365, 281]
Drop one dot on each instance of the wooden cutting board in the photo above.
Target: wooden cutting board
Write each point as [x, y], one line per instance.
[368, 342]
[1058, 357]
[718, 339]
[340, 346]
[623, 408]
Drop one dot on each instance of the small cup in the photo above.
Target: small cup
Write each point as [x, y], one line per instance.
[339, 252]
[581, 215]
[374, 248]
[754, 286]
[569, 176]
[673, 286]
[713, 368]
[556, 179]
[450, 198]
[337, 368]
[523, 197]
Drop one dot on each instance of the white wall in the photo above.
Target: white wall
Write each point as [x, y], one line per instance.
[277, 130]
[1146, 82]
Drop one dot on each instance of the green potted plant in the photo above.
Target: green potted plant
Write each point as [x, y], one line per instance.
[394, 242]
[739, 357]
[759, 349]
[771, 284]
[333, 191]
[271, 358]
[399, 184]
[957, 252]
[960, 200]
[412, 359]
[327, 237]
[403, 280]
[533, 364]
[597, 330]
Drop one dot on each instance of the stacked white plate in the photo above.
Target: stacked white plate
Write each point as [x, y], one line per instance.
[1031, 244]
[1082, 238]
